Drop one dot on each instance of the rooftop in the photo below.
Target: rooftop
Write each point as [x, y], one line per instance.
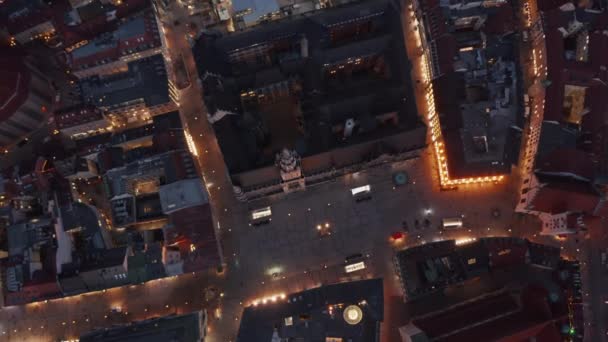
[475, 85]
[430, 268]
[575, 45]
[568, 161]
[527, 298]
[100, 259]
[170, 166]
[24, 235]
[22, 15]
[85, 218]
[572, 63]
[15, 77]
[323, 68]
[562, 195]
[94, 19]
[75, 116]
[254, 9]
[145, 80]
[492, 318]
[182, 194]
[184, 328]
[318, 314]
[192, 230]
[133, 34]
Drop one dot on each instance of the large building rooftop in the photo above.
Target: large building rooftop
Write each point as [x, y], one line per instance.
[476, 84]
[522, 290]
[430, 268]
[314, 83]
[145, 80]
[576, 44]
[349, 311]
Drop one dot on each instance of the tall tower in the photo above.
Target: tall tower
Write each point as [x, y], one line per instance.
[288, 162]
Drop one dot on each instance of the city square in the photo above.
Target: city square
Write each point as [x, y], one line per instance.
[326, 170]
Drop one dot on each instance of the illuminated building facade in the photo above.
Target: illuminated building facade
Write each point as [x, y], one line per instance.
[465, 77]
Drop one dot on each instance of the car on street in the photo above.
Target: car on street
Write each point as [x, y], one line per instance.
[397, 236]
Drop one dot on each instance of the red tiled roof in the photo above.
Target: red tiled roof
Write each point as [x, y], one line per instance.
[549, 333]
[542, 332]
[568, 160]
[194, 226]
[598, 108]
[466, 315]
[517, 323]
[559, 197]
[561, 71]
[15, 77]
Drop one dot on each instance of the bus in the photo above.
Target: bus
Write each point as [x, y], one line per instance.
[260, 216]
[452, 223]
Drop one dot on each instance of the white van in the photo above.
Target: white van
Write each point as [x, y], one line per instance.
[452, 223]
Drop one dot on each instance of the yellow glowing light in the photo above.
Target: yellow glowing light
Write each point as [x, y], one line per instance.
[191, 144]
[465, 241]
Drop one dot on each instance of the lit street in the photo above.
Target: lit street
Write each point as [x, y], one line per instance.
[310, 233]
[290, 247]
